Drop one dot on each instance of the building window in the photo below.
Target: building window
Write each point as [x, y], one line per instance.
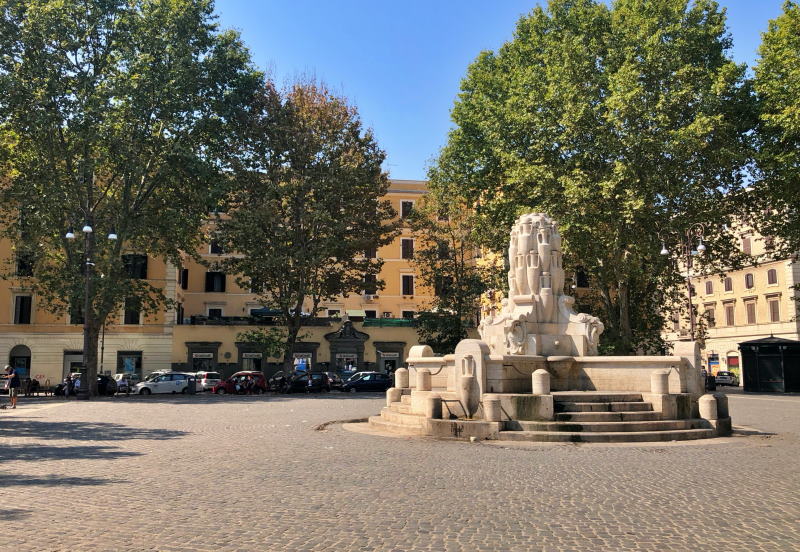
[25, 265]
[750, 307]
[407, 248]
[215, 312]
[443, 250]
[22, 309]
[370, 284]
[408, 284]
[749, 281]
[676, 322]
[179, 314]
[711, 317]
[405, 208]
[129, 363]
[774, 310]
[772, 276]
[728, 283]
[370, 314]
[746, 249]
[333, 313]
[709, 287]
[215, 248]
[442, 285]
[135, 266]
[729, 315]
[133, 310]
[215, 282]
[371, 253]
[408, 314]
[184, 278]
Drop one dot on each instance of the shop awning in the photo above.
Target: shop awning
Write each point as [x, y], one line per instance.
[356, 314]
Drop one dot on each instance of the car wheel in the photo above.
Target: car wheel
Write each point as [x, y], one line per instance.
[145, 391]
[352, 389]
[185, 391]
[221, 391]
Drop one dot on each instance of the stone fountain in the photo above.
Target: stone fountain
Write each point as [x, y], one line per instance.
[536, 375]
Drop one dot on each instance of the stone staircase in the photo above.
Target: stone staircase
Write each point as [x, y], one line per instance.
[588, 417]
[580, 417]
[397, 418]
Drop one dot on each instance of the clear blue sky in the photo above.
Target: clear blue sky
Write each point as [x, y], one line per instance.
[401, 61]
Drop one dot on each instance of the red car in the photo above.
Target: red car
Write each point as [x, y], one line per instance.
[242, 383]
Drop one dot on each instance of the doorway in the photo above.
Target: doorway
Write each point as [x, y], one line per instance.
[20, 360]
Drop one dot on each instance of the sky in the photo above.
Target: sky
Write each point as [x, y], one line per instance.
[400, 62]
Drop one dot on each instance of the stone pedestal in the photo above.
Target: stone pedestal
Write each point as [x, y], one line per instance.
[491, 410]
[540, 382]
[393, 395]
[708, 407]
[659, 382]
[423, 379]
[401, 378]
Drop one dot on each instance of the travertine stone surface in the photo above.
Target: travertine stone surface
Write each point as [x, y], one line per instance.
[540, 382]
[708, 407]
[401, 378]
[659, 382]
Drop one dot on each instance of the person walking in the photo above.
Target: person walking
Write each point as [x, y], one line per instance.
[13, 385]
[67, 386]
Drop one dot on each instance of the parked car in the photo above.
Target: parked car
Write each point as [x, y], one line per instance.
[105, 386]
[207, 380]
[171, 382]
[237, 383]
[153, 375]
[727, 378]
[313, 382]
[368, 381]
[126, 382]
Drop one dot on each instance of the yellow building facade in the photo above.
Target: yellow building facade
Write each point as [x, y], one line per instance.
[372, 329]
[755, 302]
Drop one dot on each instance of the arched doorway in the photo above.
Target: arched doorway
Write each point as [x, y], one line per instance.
[20, 359]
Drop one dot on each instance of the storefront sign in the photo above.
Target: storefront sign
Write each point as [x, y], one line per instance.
[202, 355]
[390, 355]
[251, 355]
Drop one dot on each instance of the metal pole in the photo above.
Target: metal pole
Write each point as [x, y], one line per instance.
[688, 246]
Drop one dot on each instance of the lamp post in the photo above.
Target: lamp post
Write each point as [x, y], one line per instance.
[88, 251]
[687, 251]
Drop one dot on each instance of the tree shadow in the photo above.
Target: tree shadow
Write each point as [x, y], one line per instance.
[13, 514]
[33, 452]
[82, 431]
[53, 480]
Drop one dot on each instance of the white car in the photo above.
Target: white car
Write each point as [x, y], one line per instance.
[207, 380]
[172, 382]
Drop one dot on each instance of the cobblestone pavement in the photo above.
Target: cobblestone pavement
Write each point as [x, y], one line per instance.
[251, 473]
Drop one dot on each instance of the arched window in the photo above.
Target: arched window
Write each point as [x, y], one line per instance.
[772, 276]
[749, 281]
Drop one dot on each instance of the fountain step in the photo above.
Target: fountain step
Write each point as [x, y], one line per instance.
[600, 427]
[595, 396]
[376, 422]
[605, 437]
[400, 408]
[405, 399]
[602, 406]
[607, 416]
[403, 419]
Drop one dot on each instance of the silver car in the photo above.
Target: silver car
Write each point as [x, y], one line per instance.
[727, 378]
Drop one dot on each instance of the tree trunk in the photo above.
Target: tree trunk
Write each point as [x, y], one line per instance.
[292, 329]
[625, 333]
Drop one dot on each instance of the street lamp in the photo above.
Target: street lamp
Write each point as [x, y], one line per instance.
[88, 247]
[694, 232]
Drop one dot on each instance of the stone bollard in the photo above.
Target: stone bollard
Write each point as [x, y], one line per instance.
[433, 408]
[423, 379]
[540, 382]
[491, 410]
[722, 405]
[401, 378]
[659, 382]
[708, 407]
[393, 395]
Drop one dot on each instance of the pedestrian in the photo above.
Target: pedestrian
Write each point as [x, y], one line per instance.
[13, 385]
[67, 386]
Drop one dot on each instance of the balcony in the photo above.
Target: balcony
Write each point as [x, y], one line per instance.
[199, 320]
[389, 323]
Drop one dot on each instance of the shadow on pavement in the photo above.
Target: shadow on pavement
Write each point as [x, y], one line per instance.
[20, 480]
[81, 431]
[13, 514]
[31, 453]
[210, 398]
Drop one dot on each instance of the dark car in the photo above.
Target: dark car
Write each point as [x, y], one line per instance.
[105, 386]
[312, 382]
[245, 382]
[368, 381]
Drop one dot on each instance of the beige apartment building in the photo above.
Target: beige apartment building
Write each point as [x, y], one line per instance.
[372, 329]
[742, 305]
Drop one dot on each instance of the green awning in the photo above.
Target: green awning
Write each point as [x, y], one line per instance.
[356, 314]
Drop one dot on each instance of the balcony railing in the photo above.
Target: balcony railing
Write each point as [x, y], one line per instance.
[199, 320]
[389, 323]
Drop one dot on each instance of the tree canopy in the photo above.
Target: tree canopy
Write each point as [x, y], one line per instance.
[112, 114]
[627, 124]
[305, 202]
